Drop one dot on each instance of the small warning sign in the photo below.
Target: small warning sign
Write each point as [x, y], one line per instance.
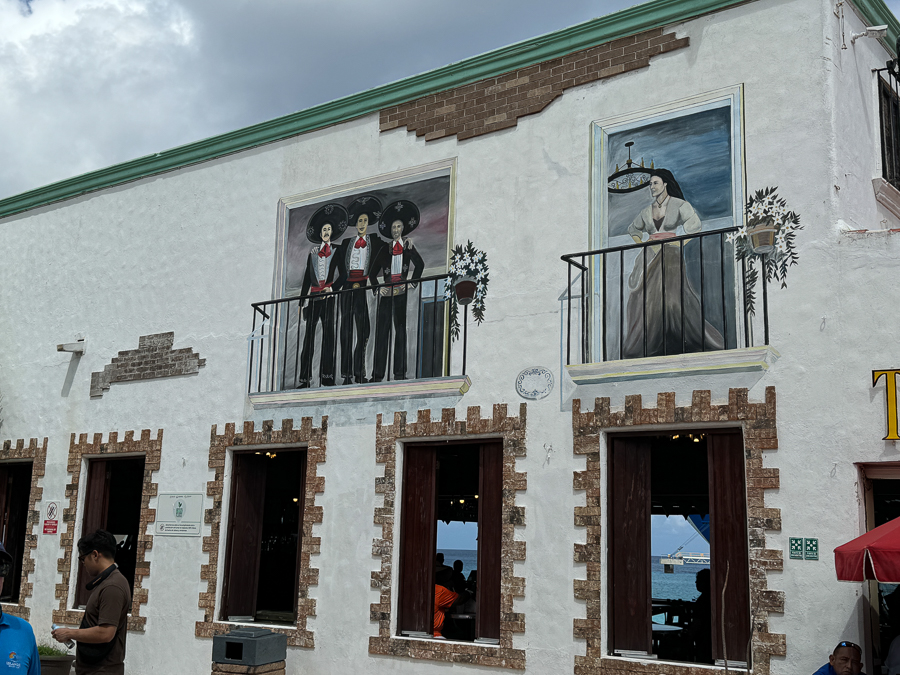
[51, 518]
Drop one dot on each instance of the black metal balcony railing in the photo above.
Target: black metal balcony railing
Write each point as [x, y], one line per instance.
[663, 297]
[319, 339]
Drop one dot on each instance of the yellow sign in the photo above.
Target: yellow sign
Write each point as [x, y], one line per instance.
[891, 392]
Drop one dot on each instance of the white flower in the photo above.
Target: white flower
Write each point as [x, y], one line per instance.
[730, 237]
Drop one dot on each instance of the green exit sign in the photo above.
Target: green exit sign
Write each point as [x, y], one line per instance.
[810, 549]
[804, 548]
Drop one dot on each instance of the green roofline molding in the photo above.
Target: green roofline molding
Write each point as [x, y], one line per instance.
[646, 16]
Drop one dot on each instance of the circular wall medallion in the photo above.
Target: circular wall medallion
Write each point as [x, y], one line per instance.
[534, 383]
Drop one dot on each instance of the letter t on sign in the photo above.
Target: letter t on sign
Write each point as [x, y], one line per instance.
[891, 392]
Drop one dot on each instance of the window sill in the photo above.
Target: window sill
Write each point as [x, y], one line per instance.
[887, 195]
[679, 365]
[649, 664]
[455, 385]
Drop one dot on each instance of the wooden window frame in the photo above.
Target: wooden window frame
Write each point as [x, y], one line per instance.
[418, 534]
[248, 436]
[34, 451]
[758, 422]
[247, 457]
[390, 439]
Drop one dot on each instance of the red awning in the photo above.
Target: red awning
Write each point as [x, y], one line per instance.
[874, 556]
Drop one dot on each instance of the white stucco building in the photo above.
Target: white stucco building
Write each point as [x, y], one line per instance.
[189, 397]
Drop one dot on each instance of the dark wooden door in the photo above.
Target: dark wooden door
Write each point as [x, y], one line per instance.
[629, 544]
[17, 478]
[96, 507]
[417, 540]
[490, 535]
[728, 546]
[248, 492]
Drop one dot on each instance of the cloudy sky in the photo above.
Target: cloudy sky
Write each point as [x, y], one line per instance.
[89, 83]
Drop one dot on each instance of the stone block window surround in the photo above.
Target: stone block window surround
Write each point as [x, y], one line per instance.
[221, 452]
[391, 438]
[36, 452]
[757, 424]
[80, 452]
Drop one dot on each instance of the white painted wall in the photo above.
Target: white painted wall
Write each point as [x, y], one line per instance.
[190, 250]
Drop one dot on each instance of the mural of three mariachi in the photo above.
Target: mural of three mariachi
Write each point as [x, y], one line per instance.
[667, 196]
[364, 267]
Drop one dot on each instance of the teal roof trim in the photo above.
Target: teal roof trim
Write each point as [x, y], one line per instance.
[520, 55]
[878, 14]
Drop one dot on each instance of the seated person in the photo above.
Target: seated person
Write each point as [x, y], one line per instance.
[701, 623]
[439, 563]
[846, 659]
[458, 580]
[444, 600]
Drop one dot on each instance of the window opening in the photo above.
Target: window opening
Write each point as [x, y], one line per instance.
[15, 490]
[678, 522]
[886, 507]
[889, 114]
[264, 536]
[450, 542]
[113, 497]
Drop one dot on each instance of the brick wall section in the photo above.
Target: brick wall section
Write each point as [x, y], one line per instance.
[757, 421]
[37, 452]
[512, 431]
[151, 449]
[313, 438]
[153, 358]
[498, 102]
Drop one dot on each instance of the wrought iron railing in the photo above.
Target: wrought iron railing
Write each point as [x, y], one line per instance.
[662, 297]
[289, 346]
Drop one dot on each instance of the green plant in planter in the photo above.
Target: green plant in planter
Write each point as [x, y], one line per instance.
[467, 263]
[766, 239]
[50, 650]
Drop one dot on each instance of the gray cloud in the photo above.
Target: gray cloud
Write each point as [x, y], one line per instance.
[88, 83]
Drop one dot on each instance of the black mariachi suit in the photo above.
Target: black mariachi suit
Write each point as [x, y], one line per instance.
[354, 305]
[319, 308]
[394, 305]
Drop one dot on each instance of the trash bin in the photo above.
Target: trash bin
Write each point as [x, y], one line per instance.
[249, 648]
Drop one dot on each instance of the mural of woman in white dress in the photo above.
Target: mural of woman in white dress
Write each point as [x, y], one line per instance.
[668, 215]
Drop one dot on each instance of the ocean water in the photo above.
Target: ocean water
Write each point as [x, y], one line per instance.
[679, 585]
[469, 558]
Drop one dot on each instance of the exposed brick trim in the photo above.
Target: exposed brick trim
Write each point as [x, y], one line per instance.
[153, 358]
[512, 431]
[152, 451]
[37, 453]
[313, 438]
[498, 102]
[757, 421]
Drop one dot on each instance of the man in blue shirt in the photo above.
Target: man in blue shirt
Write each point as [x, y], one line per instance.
[18, 649]
[846, 659]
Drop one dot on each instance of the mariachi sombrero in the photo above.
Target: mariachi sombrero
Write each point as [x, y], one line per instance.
[402, 210]
[368, 205]
[331, 214]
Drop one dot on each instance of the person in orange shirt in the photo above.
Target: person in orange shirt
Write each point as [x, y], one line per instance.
[444, 599]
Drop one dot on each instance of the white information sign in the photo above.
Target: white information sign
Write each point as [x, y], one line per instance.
[179, 514]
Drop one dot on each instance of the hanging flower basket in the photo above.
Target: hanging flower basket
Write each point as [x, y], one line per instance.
[767, 240]
[465, 288]
[467, 284]
[762, 236]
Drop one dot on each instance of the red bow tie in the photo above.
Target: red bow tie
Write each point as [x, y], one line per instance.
[360, 243]
[398, 249]
[325, 251]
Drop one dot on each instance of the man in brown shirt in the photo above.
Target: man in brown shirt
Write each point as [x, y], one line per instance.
[101, 636]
